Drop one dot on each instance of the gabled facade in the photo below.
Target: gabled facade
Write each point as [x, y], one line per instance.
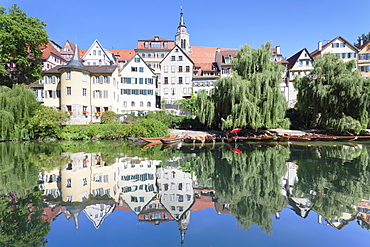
[97, 55]
[300, 64]
[339, 46]
[176, 73]
[67, 50]
[364, 60]
[136, 87]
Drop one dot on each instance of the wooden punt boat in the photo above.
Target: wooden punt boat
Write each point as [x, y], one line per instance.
[345, 138]
[299, 138]
[254, 138]
[363, 138]
[268, 138]
[282, 138]
[171, 139]
[327, 138]
[155, 139]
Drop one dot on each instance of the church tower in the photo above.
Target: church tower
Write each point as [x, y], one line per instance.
[182, 37]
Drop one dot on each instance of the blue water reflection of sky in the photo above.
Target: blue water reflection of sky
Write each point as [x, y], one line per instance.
[206, 228]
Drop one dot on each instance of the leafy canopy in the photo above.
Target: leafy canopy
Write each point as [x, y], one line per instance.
[21, 39]
[249, 98]
[334, 95]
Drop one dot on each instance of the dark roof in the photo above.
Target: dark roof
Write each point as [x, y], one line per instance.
[364, 45]
[221, 55]
[102, 69]
[94, 69]
[293, 59]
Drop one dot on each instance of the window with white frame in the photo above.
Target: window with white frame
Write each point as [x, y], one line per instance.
[165, 69]
[173, 68]
[173, 80]
[68, 75]
[97, 94]
[68, 91]
[84, 91]
[84, 77]
[105, 92]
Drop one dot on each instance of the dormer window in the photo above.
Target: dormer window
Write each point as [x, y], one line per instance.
[227, 60]
[146, 44]
[155, 45]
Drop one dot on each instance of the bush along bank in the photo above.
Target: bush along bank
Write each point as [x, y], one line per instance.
[147, 128]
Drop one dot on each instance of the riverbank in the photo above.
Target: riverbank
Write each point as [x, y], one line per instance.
[193, 133]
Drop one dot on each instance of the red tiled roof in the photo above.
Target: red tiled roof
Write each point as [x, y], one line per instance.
[124, 55]
[204, 57]
[155, 38]
[50, 49]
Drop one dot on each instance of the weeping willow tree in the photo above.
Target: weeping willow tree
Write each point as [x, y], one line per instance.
[339, 176]
[334, 96]
[249, 181]
[251, 97]
[17, 106]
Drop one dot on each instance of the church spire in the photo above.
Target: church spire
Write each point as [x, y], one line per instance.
[182, 37]
[182, 23]
[75, 62]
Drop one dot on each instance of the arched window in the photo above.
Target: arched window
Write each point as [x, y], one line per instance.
[124, 103]
[183, 42]
[149, 104]
[141, 104]
[133, 103]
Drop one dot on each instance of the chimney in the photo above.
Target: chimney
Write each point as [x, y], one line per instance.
[319, 46]
[218, 50]
[360, 43]
[278, 49]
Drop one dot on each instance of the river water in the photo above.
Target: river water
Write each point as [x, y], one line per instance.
[115, 193]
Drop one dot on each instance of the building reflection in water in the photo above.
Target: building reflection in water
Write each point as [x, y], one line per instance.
[154, 191]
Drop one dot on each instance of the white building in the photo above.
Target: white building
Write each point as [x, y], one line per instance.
[176, 73]
[137, 87]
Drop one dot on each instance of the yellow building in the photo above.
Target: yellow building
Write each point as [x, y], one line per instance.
[84, 92]
[364, 59]
[339, 46]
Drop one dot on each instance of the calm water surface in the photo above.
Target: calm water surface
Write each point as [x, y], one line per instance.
[124, 194]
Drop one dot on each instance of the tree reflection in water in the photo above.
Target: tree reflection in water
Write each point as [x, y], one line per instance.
[250, 181]
[332, 180]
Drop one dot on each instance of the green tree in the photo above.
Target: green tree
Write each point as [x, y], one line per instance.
[17, 107]
[189, 104]
[334, 95]
[21, 39]
[108, 117]
[249, 98]
[47, 122]
[364, 37]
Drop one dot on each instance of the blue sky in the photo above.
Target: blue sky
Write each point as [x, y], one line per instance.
[118, 24]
